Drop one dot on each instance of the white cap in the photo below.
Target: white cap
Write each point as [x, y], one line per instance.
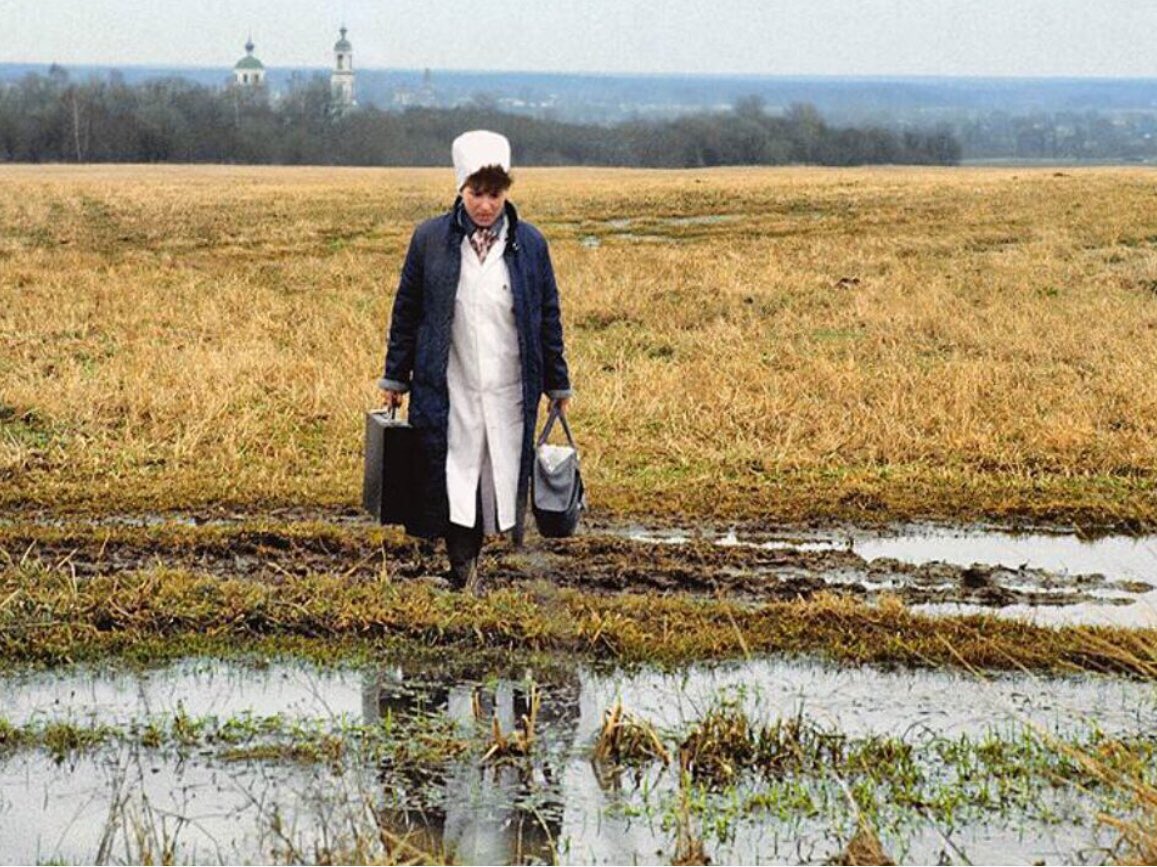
[476, 150]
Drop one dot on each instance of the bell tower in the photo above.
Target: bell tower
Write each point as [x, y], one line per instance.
[341, 80]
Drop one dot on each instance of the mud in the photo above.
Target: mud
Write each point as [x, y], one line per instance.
[975, 569]
[211, 516]
[609, 560]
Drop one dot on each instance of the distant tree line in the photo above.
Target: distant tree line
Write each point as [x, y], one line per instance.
[50, 118]
[1076, 136]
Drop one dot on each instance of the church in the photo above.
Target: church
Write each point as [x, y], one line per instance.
[249, 73]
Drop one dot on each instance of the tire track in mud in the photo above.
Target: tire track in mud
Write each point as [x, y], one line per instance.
[281, 545]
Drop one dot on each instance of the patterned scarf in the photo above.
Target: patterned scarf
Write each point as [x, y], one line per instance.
[482, 240]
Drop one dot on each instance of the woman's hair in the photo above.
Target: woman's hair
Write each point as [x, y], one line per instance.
[489, 180]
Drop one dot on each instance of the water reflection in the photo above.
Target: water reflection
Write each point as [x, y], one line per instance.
[506, 810]
[501, 831]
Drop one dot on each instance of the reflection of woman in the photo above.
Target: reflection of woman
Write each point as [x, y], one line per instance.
[476, 339]
[494, 814]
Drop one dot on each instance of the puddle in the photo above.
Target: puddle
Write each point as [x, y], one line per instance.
[847, 699]
[555, 805]
[135, 806]
[1120, 558]
[1046, 578]
[1127, 563]
[623, 223]
[195, 687]
[645, 237]
[204, 813]
[701, 220]
[1133, 557]
[649, 230]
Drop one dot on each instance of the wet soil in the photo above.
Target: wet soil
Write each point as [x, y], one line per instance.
[605, 558]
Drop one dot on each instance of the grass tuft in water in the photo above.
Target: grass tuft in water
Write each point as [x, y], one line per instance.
[864, 848]
[624, 739]
[518, 743]
[726, 742]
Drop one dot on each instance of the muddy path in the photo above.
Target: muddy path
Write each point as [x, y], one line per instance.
[606, 558]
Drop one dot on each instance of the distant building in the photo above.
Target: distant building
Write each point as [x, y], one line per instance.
[249, 72]
[423, 96]
[249, 76]
[341, 80]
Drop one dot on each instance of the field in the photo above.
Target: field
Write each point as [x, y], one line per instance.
[787, 381]
[756, 345]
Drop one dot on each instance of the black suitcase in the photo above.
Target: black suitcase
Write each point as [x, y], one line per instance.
[391, 491]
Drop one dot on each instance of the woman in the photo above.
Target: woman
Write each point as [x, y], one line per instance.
[476, 339]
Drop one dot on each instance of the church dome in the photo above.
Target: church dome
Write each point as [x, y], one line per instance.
[249, 61]
[343, 44]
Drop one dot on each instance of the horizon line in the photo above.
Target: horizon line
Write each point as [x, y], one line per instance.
[793, 76]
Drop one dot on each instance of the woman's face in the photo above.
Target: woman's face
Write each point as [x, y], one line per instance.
[483, 206]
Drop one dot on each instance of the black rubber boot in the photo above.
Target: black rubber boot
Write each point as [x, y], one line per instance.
[463, 544]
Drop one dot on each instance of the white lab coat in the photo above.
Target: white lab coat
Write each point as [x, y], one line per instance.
[484, 377]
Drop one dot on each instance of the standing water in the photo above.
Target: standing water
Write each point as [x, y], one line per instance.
[241, 765]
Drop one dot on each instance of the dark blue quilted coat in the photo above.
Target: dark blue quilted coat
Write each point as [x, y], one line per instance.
[418, 347]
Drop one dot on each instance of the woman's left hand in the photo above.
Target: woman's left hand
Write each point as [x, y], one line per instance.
[561, 404]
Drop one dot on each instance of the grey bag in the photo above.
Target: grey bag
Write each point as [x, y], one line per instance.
[558, 493]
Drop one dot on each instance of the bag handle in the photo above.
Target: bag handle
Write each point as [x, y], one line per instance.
[550, 419]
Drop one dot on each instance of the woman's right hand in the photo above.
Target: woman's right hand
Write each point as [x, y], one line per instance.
[391, 399]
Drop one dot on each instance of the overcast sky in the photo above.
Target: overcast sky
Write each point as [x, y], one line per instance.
[765, 37]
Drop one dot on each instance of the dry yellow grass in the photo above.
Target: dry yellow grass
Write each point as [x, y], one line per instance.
[785, 343]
